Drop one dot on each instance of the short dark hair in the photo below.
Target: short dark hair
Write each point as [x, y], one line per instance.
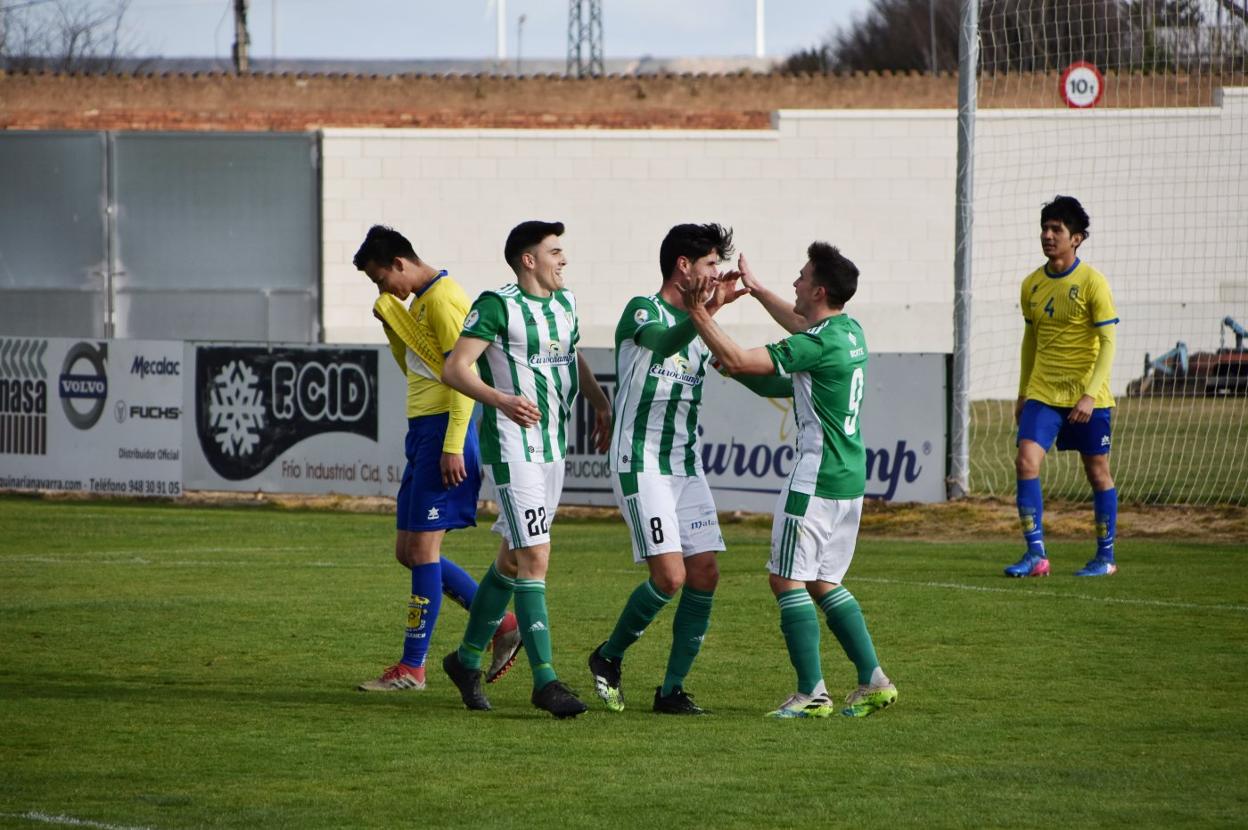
[1068, 211]
[693, 242]
[383, 245]
[524, 236]
[832, 270]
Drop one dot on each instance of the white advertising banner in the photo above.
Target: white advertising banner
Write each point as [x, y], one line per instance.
[294, 419]
[91, 416]
[748, 441]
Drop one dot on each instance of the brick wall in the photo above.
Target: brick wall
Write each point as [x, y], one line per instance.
[39, 101]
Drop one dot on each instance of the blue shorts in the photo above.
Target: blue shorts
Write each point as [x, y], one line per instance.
[1041, 423]
[423, 503]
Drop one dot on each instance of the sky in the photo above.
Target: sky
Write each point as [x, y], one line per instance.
[419, 29]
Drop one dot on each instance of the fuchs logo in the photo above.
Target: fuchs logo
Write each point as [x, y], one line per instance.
[123, 412]
[162, 366]
[254, 403]
[84, 384]
[23, 398]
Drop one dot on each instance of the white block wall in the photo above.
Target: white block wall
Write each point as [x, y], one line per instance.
[880, 184]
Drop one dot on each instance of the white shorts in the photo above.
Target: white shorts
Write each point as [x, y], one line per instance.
[813, 538]
[528, 495]
[667, 514]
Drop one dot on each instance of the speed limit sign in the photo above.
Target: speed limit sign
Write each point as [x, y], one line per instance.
[1082, 85]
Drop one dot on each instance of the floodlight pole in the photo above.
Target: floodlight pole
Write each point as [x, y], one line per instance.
[958, 482]
[241, 39]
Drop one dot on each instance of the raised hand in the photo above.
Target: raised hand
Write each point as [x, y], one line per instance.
[748, 280]
[726, 291]
[695, 291]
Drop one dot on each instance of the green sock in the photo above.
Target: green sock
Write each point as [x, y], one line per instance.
[486, 612]
[535, 628]
[643, 606]
[850, 627]
[693, 618]
[800, 625]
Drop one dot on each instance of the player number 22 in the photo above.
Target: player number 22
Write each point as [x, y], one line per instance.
[537, 521]
[857, 387]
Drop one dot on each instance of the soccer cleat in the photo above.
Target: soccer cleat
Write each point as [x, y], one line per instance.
[1098, 567]
[397, 678]
[804, 706]
[1032, 564]
[606, 675]
[507, 644]
[867, 700]
[676, 702]
[559, 700]
[467, 680]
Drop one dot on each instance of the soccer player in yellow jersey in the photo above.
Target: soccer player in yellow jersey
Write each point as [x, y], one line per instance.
[443, 473]
[1063, 387]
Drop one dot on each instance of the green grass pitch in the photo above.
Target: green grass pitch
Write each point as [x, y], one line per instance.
[176, 667]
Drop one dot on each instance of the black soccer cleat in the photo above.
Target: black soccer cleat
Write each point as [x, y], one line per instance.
[467, 680]
[606, 674]
[559, 700]
[678, 702]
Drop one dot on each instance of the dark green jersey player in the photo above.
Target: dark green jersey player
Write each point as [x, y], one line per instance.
[823, 366]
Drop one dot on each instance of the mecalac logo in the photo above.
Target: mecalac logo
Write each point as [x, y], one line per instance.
[254, 403]
[162, 366]
[84, 383]
[23, 397]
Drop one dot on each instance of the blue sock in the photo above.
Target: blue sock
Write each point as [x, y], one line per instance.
[422, 613]
[457, 584]
[1105, 503]
[1031, 514]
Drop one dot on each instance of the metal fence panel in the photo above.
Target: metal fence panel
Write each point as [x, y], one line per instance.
[53, 248]
[217, 236]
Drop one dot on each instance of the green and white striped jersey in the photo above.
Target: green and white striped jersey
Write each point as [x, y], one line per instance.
[655, 412]
[828, 364]
[532, 352]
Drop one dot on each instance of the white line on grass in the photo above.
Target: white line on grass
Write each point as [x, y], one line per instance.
[70, 821]
[1157, 603]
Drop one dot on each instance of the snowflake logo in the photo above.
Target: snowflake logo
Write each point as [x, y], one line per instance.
[236, 411]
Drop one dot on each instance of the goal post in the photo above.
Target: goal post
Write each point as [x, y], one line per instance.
[1140, 110]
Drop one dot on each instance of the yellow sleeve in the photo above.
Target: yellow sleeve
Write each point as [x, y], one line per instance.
[1027, 358]
[392, 311]
[397, 347]
[1104, 360]
[457, 423]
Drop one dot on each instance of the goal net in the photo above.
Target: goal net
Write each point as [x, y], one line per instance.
[1140, 110]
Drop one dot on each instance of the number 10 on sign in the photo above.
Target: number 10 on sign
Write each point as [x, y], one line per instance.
[1082, 85]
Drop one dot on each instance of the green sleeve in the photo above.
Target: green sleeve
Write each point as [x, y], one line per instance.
[486, 318]
[766, 386]
[642, 323]
[799, 353]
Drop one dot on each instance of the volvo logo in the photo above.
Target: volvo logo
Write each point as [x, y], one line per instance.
[84, 384]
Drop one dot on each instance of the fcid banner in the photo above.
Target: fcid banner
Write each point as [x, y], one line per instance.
[748, 441]
[91, 415]
[295, 419]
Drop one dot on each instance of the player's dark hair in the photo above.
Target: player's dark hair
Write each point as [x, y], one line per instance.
[1068, 211]
[832, 270]
[525, 236]
[383, 245]
[693, 242]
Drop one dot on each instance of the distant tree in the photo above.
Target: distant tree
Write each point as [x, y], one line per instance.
[1029, 35]
[63, 35]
